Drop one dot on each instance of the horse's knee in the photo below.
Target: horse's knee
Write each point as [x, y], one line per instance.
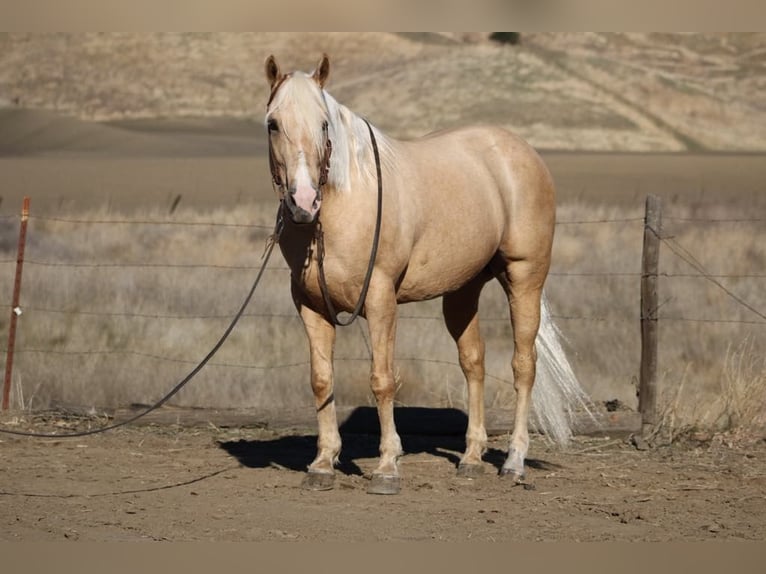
[382, 385]
[321, 384]
[524, 362]
[472, 358]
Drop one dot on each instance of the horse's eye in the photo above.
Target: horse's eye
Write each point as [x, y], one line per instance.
[272, 125]
[324, 127]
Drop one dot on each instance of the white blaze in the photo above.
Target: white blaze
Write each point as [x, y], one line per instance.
[305, 194]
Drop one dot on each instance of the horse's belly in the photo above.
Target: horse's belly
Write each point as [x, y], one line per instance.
[432, 274]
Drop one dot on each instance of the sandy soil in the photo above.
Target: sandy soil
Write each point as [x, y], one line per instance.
[170, 483]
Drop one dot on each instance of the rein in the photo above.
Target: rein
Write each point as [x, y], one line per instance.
[324, 169]
[373, 252]
[273, 240]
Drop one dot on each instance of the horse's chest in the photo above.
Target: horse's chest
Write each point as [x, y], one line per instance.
[312, 283]
[304, 273]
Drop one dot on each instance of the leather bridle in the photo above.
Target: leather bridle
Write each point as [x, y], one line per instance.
[324, 170]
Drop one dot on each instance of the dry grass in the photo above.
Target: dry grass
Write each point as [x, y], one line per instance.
[738, 408]
[112, 335]
[743, 389]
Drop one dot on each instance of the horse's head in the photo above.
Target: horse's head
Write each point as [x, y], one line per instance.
[299, 145]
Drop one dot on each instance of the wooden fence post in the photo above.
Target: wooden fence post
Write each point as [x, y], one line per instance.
[15, 309]
[647, 390]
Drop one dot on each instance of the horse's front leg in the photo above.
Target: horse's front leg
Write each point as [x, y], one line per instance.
[380, 310]
[321, 335]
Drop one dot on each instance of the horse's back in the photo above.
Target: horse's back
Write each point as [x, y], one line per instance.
[471, 193]
[478, 163]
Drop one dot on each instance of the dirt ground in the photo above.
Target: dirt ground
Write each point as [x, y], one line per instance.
[207, 483]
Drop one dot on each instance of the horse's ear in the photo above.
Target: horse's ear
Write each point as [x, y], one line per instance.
[322, 71]
[272, 70]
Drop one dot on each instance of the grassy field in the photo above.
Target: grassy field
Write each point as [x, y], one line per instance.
[117, 310]
[115, 313]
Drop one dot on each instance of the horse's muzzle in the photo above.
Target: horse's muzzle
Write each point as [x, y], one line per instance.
[304, 211]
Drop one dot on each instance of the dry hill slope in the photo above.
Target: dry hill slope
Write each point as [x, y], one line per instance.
[582, 91]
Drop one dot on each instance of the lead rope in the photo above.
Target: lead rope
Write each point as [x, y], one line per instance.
[373, 252]
[272, 241]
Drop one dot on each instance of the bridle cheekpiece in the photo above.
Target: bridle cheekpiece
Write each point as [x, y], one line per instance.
[324, 168]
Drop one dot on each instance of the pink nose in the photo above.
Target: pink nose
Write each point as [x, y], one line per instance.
[306, 198]
[304, 204]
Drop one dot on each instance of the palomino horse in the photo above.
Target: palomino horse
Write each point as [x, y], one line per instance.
[459, 208]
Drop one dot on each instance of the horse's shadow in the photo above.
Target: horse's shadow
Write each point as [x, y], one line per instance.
[434, 431]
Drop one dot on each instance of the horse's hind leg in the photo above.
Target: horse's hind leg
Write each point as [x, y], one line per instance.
[524, 285]
[461, 317]
[321, 335]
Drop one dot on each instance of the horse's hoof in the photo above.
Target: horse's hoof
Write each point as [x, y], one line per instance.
[470, 470]
[384, 484]
[318, 481]
[516, 476]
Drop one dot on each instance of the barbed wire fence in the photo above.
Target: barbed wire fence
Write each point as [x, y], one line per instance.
[56, 315]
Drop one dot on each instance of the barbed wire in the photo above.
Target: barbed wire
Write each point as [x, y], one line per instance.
[128, 265]
[685, 255]
[282, 315]
[118, 221]
[128, 314]
[714, 219]
[248, 366]
[106, 358]
[715, 275]
[594, 221]
[715, 321]
[402, 317]
[275, 267]
[139, 265]
[144, 355]
[283, 267]
[268, 227]
[594, 274]
[151, 222]
[671, 243]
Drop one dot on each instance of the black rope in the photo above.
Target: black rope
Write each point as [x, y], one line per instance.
[373, 252]
[267, 255]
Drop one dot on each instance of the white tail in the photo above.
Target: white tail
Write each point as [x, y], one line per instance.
[556, 395]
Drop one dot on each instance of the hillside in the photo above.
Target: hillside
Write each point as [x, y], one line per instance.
[628, 92]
